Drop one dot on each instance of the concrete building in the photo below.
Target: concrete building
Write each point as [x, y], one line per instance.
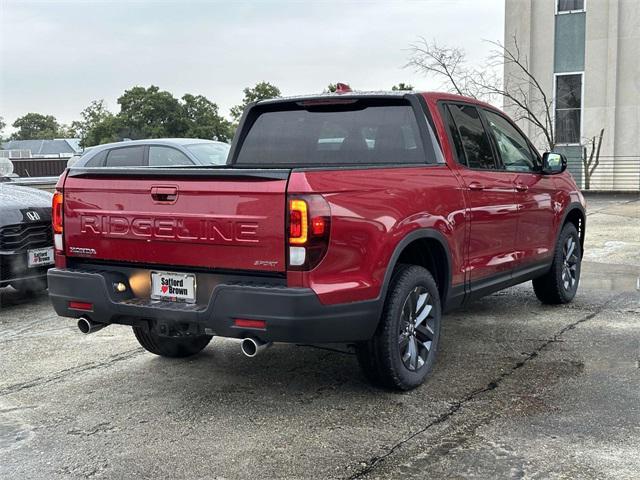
[586, 56]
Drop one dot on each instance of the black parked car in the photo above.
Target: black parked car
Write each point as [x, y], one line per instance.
[26, 237]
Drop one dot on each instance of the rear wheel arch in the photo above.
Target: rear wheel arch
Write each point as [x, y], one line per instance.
[427, 248]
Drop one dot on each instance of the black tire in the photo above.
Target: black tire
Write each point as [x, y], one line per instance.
[30, 286]
[386, 359]
[173, 347]
[560, 284]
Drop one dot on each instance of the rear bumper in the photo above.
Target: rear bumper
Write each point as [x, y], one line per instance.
[291, 314]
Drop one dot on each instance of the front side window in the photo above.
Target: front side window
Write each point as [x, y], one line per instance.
[475, 141]
[513, 147]
[568, 6]
[167, 156]
[357, 132]
[568, 102]
[125, 157]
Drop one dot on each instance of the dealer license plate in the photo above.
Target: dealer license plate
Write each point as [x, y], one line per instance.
[173, 287]
[40, 256]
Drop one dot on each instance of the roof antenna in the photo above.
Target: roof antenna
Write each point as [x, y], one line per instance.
[343, 88]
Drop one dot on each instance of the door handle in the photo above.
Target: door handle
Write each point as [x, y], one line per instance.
[476, 186]
[164, 194]
[521, 187]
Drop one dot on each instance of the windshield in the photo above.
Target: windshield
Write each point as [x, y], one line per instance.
[362, 133]
[210, 153]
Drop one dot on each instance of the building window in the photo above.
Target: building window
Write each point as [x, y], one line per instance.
[570, 6]
[568, 107]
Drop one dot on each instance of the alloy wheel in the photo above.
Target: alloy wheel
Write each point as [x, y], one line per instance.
[416, 329]
[570, 264]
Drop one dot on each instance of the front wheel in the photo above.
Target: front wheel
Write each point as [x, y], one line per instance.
[173, 347]
[560, 284]
[403, 349]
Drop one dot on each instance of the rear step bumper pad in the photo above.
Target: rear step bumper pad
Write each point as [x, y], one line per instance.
[291, 314]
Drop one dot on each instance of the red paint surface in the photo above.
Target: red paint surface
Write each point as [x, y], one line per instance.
[372, 210]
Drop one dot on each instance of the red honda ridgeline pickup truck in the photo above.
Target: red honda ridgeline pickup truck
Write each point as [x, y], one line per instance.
[354, 218]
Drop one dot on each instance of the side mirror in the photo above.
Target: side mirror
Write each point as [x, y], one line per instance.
[553, 163]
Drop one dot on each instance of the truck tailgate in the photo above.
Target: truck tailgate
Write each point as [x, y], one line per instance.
[226, 219]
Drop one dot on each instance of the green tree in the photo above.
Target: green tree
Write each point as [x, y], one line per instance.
[35, 126]
[402, 87]
[68, 131]
[91, 116]
[107, 130]
[151, 113]
[261, 91]
[203, 119]
[2, 125]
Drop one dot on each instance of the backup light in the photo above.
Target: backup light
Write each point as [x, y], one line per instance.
[297, 256]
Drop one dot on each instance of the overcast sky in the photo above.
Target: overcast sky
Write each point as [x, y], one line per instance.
[57, 56]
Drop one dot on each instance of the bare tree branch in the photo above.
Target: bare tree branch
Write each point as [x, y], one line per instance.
[446, 62]
[591, 161]
[520, 89]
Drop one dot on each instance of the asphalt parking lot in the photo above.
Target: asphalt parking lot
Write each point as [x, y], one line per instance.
[520, 390]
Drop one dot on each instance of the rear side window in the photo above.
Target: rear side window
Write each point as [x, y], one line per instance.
[98, 159]
[167, 156]
[475, 141]
[126, 157]
[355, 133]
[455, 136]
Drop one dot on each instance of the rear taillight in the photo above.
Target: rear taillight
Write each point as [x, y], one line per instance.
[309, 229]
[56, 220]
[56, 207]
[298, 222]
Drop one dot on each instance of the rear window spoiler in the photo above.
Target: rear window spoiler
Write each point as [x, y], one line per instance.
[258, 173]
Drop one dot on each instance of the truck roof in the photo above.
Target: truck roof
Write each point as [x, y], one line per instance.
[434, 96]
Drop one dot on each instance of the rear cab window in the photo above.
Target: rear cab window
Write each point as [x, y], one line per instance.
[331, 132]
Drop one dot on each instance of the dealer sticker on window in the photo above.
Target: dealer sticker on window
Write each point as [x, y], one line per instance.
[39, 257]
[173, 287]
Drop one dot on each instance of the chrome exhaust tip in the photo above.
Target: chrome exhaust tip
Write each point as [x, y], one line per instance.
[87, 326]
[252, 346]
